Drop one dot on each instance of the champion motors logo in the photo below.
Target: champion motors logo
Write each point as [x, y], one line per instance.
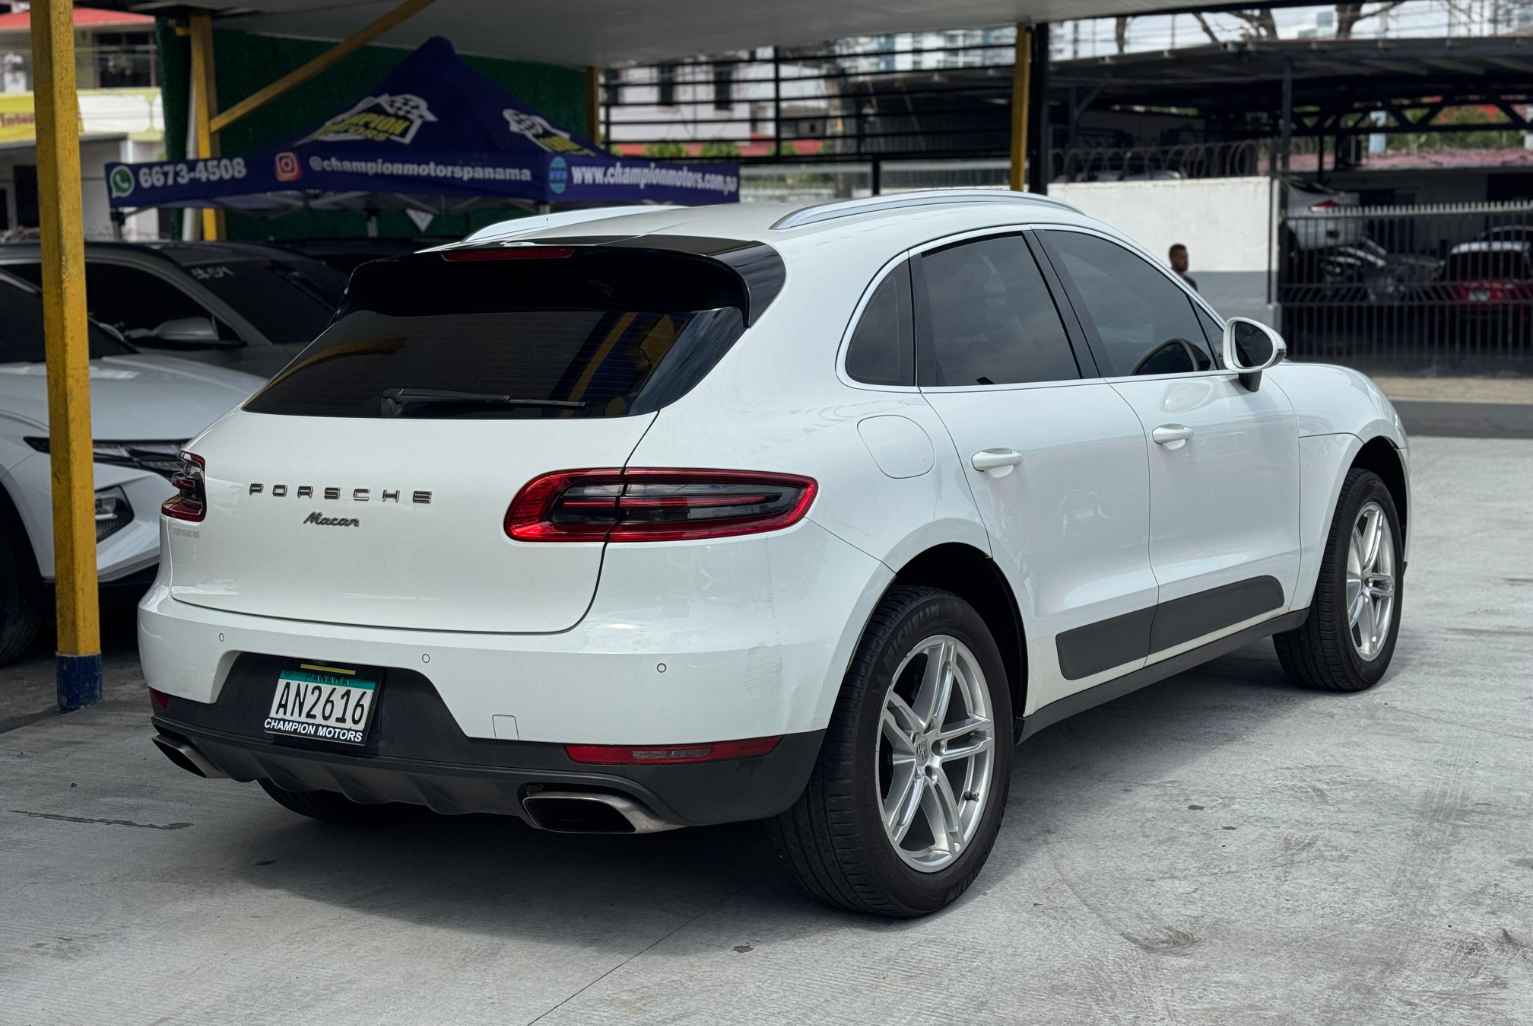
[288, 167]
[122, 181]
[558, 175]
[384, 118]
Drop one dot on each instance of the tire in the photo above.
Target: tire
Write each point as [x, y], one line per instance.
[330, 807]
[21, 599]
[833, 841]
[1328, 650]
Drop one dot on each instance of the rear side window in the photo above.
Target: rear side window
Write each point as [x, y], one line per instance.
[492, 334]
[987, 318]
[130, 299]
[883, 349]
[288, 301]
[21, 330]
[1144, 323]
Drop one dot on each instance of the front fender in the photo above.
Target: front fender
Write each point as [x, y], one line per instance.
[1330, 400]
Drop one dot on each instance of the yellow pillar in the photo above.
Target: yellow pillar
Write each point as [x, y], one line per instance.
[593, 105]
[204, 107]
[64, 322]
[1021, 77]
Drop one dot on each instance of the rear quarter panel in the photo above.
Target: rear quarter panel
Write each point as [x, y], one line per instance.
[775, 403]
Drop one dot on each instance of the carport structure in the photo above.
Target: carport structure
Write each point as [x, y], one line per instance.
[588, 33]
[1307, 88]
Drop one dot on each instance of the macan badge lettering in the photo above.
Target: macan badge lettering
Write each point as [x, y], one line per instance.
[323, 521]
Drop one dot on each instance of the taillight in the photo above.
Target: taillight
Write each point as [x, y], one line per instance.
[191, 499]
[656, 505]
[1324, 205]
[629, 755]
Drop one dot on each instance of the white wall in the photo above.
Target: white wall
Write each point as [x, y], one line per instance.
[1225, 223]
[95, 154]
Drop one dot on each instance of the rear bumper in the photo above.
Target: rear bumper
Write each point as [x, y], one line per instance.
[684, 643]
[415, 754]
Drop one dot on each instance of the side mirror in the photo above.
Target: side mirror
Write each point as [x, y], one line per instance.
[1250, 347]
[187, 332]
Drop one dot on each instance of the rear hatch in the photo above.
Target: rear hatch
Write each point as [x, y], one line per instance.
[368, 483]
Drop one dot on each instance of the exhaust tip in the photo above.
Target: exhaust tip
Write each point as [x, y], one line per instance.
[188, 758]
[591, 812]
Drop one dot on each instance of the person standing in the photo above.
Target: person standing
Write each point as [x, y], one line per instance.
[1178, 258]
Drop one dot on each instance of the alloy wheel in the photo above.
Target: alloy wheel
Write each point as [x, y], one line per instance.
[935, 753]
[1370, 581]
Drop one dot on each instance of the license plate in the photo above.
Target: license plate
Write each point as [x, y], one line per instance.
[324, 703]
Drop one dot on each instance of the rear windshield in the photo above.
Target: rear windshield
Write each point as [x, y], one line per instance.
[288, 301]
[1492, 264]
[21, 330]
[565, 333]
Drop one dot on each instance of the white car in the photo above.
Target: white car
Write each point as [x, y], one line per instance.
[143, 409]
[632, 521]
[1307, 201]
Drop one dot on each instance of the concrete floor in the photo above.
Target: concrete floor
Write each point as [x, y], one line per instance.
[1220, 848]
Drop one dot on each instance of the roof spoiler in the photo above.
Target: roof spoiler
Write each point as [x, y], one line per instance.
[540, 222]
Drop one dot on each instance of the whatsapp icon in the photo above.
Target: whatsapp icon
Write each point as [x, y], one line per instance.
[122, 181]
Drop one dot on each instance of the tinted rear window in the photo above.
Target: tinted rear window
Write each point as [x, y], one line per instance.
[589, 333]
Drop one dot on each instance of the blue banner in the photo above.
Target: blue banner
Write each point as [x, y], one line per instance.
[432, 127]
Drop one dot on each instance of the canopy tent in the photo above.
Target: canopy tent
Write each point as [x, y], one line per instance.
[433, 136]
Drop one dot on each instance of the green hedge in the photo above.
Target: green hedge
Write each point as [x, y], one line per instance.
[245, 62]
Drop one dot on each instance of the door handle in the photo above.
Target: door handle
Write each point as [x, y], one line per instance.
[996, 462]
[1172, 436]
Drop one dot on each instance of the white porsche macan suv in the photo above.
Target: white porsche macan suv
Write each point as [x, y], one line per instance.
[626, 521]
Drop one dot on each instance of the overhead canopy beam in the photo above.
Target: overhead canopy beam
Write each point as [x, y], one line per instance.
[298, 76]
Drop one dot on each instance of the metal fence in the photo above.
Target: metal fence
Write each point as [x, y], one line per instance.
[823, 182]
[935, 95]
[1446, 287]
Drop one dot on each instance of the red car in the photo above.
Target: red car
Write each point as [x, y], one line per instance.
[1487, 291]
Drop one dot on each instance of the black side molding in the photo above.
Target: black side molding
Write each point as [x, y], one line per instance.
[1107, 643]
[1144, 676]
[1181, 620]
[1101, 646]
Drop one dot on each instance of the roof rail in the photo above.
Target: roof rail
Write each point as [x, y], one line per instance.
[523, 225]
[907, 200]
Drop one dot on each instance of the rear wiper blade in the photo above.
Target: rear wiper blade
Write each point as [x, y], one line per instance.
[396, 399]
